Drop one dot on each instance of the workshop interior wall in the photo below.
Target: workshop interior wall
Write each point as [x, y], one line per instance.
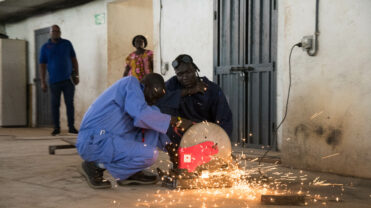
[186, 27]
[126, 19]
[328, 123]
[89, 39]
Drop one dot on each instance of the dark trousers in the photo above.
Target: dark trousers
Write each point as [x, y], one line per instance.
[68, 89]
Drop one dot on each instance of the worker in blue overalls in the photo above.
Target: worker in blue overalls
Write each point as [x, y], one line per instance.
[122, 130]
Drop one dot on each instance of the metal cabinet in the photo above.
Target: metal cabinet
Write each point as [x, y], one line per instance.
[13, 83]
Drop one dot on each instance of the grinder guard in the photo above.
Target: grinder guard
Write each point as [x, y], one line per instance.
[204, 159]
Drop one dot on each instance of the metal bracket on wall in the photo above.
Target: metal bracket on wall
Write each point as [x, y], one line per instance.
[244, 68]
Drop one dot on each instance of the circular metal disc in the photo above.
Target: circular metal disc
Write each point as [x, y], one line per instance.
[206, 131]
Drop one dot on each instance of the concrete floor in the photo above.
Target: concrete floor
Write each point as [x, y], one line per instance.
[30, 177]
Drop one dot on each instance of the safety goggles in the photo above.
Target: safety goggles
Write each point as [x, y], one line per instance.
[184, 59]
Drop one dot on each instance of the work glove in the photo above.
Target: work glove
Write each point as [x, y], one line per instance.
[180, 125]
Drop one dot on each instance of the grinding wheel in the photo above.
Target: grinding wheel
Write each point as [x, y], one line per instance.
[206, 131]
[213, 172]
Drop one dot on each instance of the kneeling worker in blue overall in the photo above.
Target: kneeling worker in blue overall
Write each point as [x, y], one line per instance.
[122, 130]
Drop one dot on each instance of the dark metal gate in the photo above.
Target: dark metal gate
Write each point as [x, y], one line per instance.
[245, 54]
[43, 106]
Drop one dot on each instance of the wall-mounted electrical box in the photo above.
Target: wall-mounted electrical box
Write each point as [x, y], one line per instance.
[307, 42]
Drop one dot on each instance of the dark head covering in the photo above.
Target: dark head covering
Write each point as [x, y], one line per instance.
[142, 37]
[183, 58]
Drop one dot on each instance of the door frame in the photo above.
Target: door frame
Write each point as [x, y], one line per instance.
[37, 79]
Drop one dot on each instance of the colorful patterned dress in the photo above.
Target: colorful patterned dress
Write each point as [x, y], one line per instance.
[141, 64]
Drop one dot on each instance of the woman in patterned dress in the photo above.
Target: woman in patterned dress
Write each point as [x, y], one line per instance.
[140, 62]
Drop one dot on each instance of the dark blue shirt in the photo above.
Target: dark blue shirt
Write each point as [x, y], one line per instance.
[58, 56]
[211, 106]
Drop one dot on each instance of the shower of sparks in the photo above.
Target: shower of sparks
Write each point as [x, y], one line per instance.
[328, 156]
[317, 182]
[246, 190]
[248, 184]
[316, 115]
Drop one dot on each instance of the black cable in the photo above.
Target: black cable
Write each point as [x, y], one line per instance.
[289, 89]
[286, 110]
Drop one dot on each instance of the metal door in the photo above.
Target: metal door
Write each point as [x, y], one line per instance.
[244, 60]
[43, 105]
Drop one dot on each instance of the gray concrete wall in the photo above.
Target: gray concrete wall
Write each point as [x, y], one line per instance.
[327, 127]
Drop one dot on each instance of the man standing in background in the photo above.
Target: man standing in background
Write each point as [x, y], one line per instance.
[58, 56]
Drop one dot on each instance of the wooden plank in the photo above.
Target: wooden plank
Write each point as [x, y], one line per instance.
[283, 199]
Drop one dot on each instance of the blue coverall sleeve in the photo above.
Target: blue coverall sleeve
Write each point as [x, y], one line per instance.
[144, 116]
[222, 112]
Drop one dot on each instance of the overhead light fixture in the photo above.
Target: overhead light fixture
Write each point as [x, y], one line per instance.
[2, 0]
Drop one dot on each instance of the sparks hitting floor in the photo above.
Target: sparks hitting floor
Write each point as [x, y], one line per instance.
[31, 177]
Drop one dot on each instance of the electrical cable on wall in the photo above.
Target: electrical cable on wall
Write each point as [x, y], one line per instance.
[286, 109]
[310, 44]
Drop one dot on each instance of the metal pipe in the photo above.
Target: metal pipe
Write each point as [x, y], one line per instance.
[314, 50]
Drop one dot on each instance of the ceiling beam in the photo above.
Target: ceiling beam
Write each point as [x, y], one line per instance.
[21, 13]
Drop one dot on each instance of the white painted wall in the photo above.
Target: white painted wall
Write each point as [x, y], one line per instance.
[89, 40]
[329, 110]
[187, 27]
